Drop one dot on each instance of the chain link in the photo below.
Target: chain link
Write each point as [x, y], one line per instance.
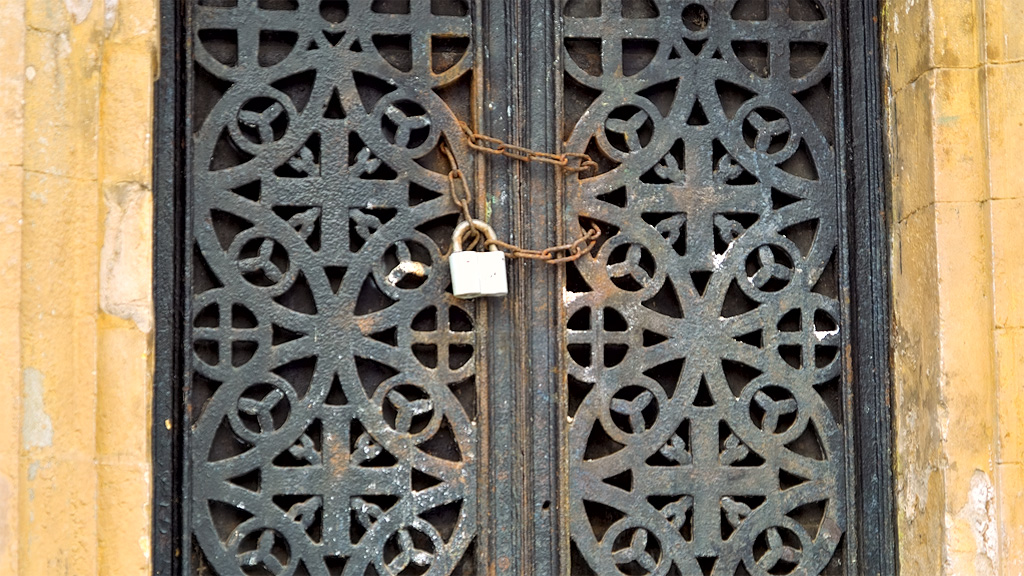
[456, 180]
[498, 147]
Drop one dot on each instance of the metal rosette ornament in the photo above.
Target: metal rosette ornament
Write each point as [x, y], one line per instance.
[331, 397]
[704, 333]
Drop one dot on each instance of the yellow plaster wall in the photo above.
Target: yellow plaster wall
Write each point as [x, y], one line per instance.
[12, 85]
[76, 81]
[956, 119]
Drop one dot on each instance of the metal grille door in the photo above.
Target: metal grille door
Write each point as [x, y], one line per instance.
[687, 398]
[704, 334]
[333, 388]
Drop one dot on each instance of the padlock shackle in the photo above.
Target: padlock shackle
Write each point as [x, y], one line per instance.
[479, 225]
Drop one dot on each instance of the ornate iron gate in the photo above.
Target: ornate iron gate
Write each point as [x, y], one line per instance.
[690, 397]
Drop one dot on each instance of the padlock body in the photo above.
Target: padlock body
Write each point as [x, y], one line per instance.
[492, 273]
[465, 274]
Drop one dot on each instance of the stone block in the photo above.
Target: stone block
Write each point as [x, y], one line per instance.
[911, 147]
[1004, 23]
[1010, 374]
[55, 17]
[1011, 517]
[124, 381]
[58, 501]
[60, 105]
[971, 530]
[908, 54]
[126, 148]
[10, 435]
[60, 234]
[58, 400]
[126, 258]
[124, 519]
[1006, 128]
[963, 248]
[134, 21]
[12, 179]
[12, 82]
[958, 33]
[1008, 262]
[958, 126]
[916, 366]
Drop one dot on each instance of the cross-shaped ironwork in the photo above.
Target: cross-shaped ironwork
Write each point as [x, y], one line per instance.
[708, 480]
[337, 189]
[701, 196]
[421, 25]
[443, 336]
[778, 31]
[612, 32]
[599, 337]
[338, 477]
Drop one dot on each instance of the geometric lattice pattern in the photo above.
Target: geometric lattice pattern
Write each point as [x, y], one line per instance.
[331, 390]
[332, 393]
[703, 333]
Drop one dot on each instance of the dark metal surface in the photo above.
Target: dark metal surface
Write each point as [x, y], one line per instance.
[168, 231]
[331, 409]
[706, 387]
[332, 395]
[867, 220]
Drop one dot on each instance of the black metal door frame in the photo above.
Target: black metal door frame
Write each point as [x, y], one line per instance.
[521, 457]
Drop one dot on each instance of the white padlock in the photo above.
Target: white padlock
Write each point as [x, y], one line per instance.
[476, 274]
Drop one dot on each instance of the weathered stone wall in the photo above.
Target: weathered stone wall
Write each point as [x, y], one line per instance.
[76, 81]
[956, 104]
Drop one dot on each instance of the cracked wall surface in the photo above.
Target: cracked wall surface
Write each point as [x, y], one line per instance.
[955, 72]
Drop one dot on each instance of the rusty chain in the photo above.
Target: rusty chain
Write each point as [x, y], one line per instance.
[498, 147]
[575, 249]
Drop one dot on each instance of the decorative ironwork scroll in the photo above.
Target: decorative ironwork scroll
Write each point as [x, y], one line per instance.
[705, 381]
[332, 397]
